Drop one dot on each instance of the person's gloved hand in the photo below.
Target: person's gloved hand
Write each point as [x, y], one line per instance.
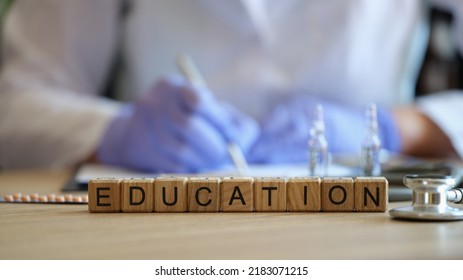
[176, 127]
[285, 131]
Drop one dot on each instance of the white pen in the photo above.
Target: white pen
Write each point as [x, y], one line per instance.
[188, 68]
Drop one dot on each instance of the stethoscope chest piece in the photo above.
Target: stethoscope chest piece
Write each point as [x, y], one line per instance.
[429, 200]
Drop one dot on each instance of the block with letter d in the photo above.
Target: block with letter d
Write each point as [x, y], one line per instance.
[137, 195]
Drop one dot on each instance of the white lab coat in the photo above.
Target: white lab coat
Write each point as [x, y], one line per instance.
[252, 54]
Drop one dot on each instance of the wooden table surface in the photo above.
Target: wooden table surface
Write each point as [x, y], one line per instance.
[29, 231]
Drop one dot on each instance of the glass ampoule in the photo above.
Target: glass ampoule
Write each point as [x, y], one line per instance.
[371, 146]
[317, 145]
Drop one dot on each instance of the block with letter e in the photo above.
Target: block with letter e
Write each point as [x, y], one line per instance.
[104, 195]
[137, 195]
[337, 194]
[371, 194]
[237, 194]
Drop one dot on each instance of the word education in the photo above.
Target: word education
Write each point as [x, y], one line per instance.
[238, 194]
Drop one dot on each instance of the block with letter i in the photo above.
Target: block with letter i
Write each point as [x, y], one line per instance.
[137, 195]
[204, 194]
[304, 194]
[270, 194]
[104, 195]
[237, 194]
[371, 194]
[170, 194]
[337, 194]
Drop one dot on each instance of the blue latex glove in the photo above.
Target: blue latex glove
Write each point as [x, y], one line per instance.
[176, 127]
[285, 131]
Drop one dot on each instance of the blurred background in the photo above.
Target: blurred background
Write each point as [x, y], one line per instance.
[442, 66]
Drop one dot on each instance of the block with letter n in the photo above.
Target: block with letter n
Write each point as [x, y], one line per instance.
[371, 194]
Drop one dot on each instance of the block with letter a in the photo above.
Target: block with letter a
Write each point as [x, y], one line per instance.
[237, 194]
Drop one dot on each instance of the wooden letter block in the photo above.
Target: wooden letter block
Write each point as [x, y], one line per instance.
[337, 194]
[104, 195]
[304, 194]
[170, 194]
[137, 195]
[237, 194]
[204, 195]
[371, 194]
[270, 194]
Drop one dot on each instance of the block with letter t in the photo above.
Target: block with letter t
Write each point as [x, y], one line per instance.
[270, 194]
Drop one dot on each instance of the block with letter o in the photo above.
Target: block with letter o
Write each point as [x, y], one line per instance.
[338, 194]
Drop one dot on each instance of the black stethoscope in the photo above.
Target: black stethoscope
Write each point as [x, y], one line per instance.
[430, 196]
